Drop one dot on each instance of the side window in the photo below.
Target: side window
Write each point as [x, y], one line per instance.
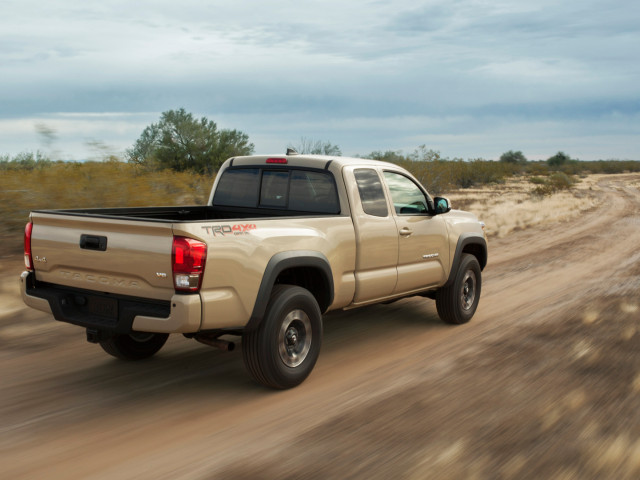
[407, 197]
[238, 188]
[371, 192]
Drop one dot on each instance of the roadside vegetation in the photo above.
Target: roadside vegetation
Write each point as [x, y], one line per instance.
[45, 184]
[442, 174]
[175, 160]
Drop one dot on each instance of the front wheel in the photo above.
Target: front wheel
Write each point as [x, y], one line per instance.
[134, 346]
[458, 302]
[281, 352]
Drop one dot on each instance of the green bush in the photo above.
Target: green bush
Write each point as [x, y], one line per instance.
[558, 159]
[513, 157]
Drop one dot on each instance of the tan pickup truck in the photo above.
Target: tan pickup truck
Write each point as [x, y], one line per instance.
[282, 240]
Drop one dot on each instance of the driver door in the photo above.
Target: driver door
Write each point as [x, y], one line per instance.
[423, 248]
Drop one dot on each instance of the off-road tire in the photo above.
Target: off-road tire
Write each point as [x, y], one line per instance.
[281, 352]
[136, 346]
[458, 302]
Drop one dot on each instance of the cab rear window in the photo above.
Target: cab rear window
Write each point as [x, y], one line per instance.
[291, 189]
[238, 188]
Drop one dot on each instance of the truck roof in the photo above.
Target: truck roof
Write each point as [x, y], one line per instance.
[301, 160]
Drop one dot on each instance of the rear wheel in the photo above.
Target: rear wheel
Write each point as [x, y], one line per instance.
[458, 302]
[134, 346]
[283, 350]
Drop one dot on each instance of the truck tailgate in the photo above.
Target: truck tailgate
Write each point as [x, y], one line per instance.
[113, 255]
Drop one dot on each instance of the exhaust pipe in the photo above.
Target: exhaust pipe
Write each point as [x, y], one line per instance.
[214, 341]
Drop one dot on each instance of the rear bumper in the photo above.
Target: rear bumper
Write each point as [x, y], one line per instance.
[114, 314]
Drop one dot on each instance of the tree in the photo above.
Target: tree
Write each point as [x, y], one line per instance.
[181, 142]
[424, 154]
[558, 159]
[513, 157]
[316, 147]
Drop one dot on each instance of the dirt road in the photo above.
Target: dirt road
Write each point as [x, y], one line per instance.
[544, 382]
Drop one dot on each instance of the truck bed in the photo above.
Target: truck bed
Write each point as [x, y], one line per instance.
[192, 213]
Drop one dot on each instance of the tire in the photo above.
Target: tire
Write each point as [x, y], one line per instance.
[281, 352]
[458, 302]
[134, 346]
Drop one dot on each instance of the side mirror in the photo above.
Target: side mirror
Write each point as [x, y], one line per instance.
[443, 205]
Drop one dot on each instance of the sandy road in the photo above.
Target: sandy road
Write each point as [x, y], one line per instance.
[544, 380]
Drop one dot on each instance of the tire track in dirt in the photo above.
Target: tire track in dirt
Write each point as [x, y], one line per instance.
[194, 413]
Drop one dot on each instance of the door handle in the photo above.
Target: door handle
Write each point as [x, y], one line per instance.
[405, 232]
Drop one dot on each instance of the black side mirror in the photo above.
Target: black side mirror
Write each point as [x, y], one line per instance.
[443, 205]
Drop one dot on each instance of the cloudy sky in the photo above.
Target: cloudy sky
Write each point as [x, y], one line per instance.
[469, 78]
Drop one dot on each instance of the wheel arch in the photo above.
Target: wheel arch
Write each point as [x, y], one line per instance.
[306, 269]
[473, 244]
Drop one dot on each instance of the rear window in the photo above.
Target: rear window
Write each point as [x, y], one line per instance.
[296, 190]
[313, 192]
[238, 188]
[274, 189]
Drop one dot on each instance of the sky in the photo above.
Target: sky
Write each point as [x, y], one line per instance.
[467, 78]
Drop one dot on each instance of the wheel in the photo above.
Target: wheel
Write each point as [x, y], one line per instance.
[134, 346]
[458, 302]
[281, 352]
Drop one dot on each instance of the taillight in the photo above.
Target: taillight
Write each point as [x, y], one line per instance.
[188, 257]
[28, 259]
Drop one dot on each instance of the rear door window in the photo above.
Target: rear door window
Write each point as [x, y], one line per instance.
[371, 192]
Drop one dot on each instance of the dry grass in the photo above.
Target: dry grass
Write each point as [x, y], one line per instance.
[514, 206]
[91, 184]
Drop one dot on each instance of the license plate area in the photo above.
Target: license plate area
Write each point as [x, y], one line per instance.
[104, 307]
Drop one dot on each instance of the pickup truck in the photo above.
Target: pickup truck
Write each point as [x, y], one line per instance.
[281, 241]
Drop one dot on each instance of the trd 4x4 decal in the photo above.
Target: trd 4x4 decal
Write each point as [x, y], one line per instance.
[223, 230]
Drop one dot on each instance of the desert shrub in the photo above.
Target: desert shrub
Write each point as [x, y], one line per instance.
[561, 181]
[24, 161]
[554, 183]
[612, 166]
[538, 180]
[387, 156]
[537, 168]
[442, 175]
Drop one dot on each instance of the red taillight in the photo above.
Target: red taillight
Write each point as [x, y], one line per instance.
[277, 160]
[188, 258]
[28, 260]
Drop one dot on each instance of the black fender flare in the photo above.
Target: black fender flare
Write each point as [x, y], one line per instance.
[281, 262]
[465, 240]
